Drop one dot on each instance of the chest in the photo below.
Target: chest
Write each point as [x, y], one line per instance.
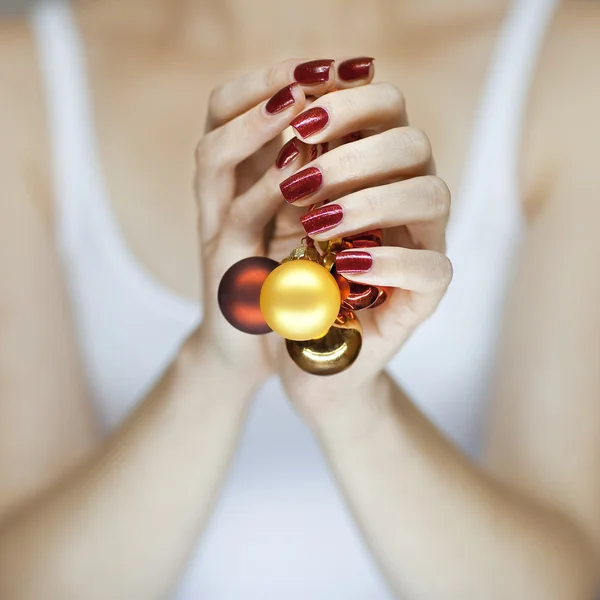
[150, 108]
[148, 127]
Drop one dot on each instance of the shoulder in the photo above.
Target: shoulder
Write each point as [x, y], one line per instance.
[561, 127]
[577, 21]
[19, 71]
[24, 147]
[568, 65]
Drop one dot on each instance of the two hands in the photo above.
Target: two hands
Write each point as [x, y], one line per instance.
[251, 204]
[439, 526]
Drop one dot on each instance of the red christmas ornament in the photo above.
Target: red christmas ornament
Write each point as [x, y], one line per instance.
[239, 294]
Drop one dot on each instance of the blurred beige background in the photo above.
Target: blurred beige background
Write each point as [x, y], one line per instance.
[12, 6]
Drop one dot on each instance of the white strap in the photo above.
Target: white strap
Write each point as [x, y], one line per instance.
[495, 149]
[69, 112]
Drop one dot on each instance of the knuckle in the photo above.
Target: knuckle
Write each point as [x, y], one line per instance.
[248, 125]
[417, 144]
[400, 261]
[345, 105]
[201, 153]
[438, 195]
[237, 219]
[351, 162]
[441, 271]
[394, 96]
[272, 77]
[215, 104]
[207, 155]
[372, 203]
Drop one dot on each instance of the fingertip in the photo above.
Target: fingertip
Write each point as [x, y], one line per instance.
[354, 263]
[291, 95]
[314, 72]
[355, 71]
[298, 93]
[317, 77]
[311, 122]
[289, 153]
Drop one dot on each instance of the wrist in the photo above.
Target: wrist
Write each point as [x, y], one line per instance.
[378, 415]
[205, 370]
[355, 408]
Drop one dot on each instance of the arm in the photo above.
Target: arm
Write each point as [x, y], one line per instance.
[529, 527]
[440, 526]
[72, 526]
[124, 522]
[526, 525]
[80, 518]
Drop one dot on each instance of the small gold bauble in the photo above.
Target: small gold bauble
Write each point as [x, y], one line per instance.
[328, 260]
[334, 352]
[300, 300]
[334, 245]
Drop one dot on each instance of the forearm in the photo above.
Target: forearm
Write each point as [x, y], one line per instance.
[124, 523]
[440, 527]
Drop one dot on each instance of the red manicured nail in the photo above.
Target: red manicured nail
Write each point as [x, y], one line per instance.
[281, 100]
[353, 261]
[355, 68]
[315, 71]
[311, 121]
[287, 154]
[322, 218]
[301, 184]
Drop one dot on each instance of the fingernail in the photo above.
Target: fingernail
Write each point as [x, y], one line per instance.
[281, 100]
[301, 184]
[355, 68]
[287, 154]
[353, 261]
[323, 218]
[311, 121]
[315, 71]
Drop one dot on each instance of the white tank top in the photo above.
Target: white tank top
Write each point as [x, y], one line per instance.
[281, 529]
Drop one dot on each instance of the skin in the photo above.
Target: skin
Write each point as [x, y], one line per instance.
[526, 520]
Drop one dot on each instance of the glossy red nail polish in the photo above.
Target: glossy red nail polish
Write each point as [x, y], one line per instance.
[287, 154]
[311, 121]
[301, 184]
[313, 72]
[281, 100]
[353, 261]
[322, 218]
[355, 68]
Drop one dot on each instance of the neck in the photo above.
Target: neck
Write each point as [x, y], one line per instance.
[196, 23]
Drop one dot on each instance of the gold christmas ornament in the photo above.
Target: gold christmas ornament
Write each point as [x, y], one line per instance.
[300, 299]
[334, 352]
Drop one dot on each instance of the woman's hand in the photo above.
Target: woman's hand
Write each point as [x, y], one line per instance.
[138, 476]
[384, 180]
[437, 524]
[237, 187]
